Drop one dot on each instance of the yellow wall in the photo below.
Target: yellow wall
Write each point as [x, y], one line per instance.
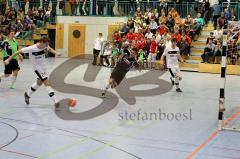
[59, 36]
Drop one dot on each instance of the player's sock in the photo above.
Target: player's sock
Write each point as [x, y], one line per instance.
[33, 88]
[105, 90]
[177, 83]
[52, 94]
[13, 82]
[172, 80]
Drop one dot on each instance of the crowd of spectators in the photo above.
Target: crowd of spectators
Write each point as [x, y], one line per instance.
[213, 50]
[150, 32]
[23, 20]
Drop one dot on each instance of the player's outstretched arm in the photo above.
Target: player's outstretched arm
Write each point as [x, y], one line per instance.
[53, 51]
[180, 58]
[18, 53]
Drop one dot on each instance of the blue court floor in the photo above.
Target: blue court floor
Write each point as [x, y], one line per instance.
[166, 125]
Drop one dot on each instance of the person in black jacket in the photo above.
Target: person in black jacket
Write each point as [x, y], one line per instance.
[125, 63]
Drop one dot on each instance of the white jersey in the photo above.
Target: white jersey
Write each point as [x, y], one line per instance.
[172, 56]
[37, 56]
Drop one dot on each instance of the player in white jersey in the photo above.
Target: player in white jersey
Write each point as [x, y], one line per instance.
[37, 56]
[173, 57]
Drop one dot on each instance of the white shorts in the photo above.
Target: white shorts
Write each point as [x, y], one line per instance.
[175, 72]
[42, 74]
[152, 57]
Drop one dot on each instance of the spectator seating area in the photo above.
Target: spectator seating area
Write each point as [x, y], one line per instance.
[149, 30]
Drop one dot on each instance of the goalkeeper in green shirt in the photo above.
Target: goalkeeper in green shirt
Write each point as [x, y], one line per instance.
[9, 47]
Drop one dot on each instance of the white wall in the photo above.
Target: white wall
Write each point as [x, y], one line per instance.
[94, 25]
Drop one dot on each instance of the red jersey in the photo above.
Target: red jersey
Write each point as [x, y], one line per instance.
[141, 44]
[117, 37]
[153, 47]
[177, 36]
[130, 36]
[139, 36]
[188, 40]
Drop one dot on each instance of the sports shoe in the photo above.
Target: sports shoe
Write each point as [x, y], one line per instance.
[11, 87]
[172, 81]
[178, 90]
[103, 95]
[26, 98]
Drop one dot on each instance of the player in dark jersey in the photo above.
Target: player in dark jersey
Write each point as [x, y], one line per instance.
[125, 63]
[8, 47]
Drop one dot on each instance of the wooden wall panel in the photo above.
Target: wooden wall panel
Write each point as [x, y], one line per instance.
[111, 30]
[60, 36]
[76, 46]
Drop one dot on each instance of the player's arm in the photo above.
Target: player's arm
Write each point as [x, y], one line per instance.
[180, 58]
[162, 60]
[18, 53]
[53, 51]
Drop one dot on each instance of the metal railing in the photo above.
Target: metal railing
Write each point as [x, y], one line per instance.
[116, 8]
[234, 8]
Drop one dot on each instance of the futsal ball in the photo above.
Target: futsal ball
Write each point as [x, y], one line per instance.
[72, 102]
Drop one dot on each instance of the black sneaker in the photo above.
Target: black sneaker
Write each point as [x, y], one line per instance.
[26, 98]
[178, 90]
[103, 95]
[172, 81]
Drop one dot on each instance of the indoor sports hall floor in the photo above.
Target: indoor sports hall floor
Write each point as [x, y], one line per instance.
[126, 131]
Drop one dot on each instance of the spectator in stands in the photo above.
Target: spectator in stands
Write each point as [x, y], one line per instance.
[124, 30]
[152, 53]
[227, 14]
[156, 15]
[158, 37]
[73, 7]
[217, 53]
[220, 21]
[149, 34]
[200, 21]
[174, 14]
[206, 5]
[130, 35]
[153, 26]
[196, 29]
[216, 14]
[97, 47]
[218, 34]
[184, 48]
[125, 45]
[170, 23]
[163, 6]
[47, 15]
[176, 35]
[211, 37]
[162, 29]
[130, 23]
[30, 29]
[106, 52]
[137, 27]
[185, 45]
[189, 21]
[138, 12]
[208, 51]
[162, 18]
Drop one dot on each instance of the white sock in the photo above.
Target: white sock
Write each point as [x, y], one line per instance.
[33, 89]
[13, 80]
[106, 88]
[51, 94]
[177, 82]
